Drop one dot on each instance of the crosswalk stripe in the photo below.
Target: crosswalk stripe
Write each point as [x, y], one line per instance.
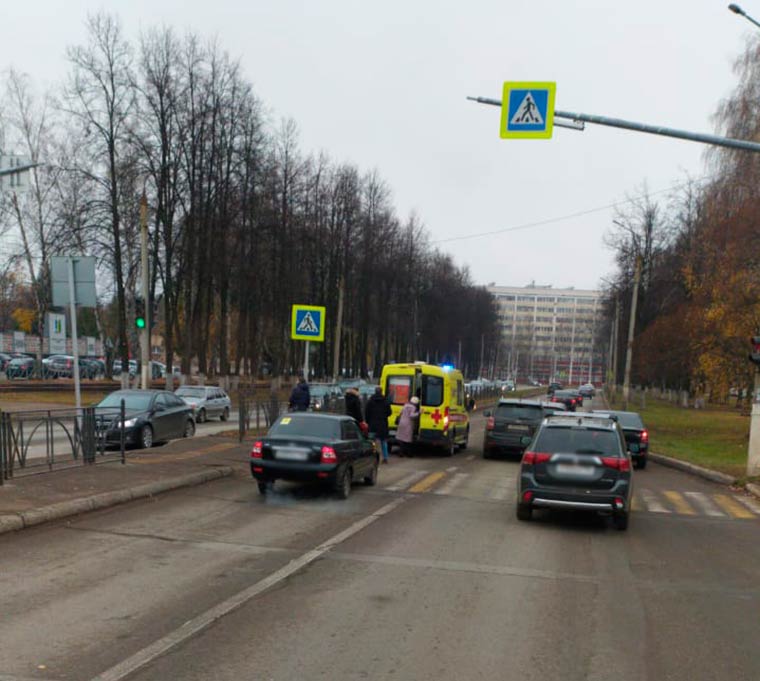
[732, 507]
[704, 503]
[452, 483]
[751, 504]
[651, 503]
[636, 504]
[408, 480]
[681, 505]
[426, 483]
[501, 492]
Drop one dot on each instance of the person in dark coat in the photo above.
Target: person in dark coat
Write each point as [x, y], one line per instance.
[377, 412]
[300, 398]
[354, 405]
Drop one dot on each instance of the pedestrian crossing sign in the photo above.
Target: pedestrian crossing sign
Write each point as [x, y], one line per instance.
[527, 110]
[307, 323]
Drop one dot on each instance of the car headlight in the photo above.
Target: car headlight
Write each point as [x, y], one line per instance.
[129, 423]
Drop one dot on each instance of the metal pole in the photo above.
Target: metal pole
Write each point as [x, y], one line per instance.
[306, 362]
[74, 340]
[643, 127]
[145, 332]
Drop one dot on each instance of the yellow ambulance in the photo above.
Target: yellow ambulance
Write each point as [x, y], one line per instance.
[444, 421]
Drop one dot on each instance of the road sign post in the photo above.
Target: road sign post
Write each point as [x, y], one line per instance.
[307, 323]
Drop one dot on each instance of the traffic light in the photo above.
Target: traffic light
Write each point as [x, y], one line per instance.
[140, 320]
[754, 356]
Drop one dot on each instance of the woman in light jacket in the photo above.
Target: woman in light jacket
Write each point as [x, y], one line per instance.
[405, 431]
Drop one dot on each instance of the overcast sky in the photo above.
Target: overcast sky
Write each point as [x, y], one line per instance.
[383, 84]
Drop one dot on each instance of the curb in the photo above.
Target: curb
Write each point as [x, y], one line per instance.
[36, 516]
[699, 471]
[753, 488]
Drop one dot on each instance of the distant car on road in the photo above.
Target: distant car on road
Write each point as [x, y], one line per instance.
[4, 359]
[309, 447]
[636, 435]
[206, 401]
[566, 397]
[554, 385]
[321, 394]
[587, 390]
[150, 416]
[510, 428]
[577, 462]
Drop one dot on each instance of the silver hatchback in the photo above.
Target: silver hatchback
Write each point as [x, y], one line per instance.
[206, 400]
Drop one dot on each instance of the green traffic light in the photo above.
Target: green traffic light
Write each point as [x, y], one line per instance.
[140, 322]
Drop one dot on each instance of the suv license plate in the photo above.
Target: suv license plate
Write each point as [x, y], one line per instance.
[572, 469]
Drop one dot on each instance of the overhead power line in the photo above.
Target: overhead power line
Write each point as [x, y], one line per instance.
[561, 218]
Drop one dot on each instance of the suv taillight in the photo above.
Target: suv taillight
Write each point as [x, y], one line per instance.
[532, 458]
[490, 423]
[644, 436]
[258, 450]
[622, 465]
[327, 455]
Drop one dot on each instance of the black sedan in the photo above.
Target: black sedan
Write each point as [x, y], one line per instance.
[307, 447]
[150, 416]
[636, 435]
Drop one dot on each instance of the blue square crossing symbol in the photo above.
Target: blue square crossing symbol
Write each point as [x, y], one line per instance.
[527, 109]
[308, 323]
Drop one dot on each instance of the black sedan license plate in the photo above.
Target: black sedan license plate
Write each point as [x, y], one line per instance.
[291, 454]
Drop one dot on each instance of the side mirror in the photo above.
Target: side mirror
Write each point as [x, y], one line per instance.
[487, 414]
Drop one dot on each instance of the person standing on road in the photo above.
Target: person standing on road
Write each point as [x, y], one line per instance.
[377, 412]
[406, 422]
[300, 399]
[354, 405]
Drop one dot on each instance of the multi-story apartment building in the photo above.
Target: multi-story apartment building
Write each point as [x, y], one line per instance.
[549, 334]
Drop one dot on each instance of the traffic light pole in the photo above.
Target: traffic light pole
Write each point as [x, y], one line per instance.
[145, 332]
[74, 337]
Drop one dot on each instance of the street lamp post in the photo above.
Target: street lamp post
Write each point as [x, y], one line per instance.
[753, 449]
[738, 10]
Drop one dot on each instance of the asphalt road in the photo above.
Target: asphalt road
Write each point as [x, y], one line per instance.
[427, 576]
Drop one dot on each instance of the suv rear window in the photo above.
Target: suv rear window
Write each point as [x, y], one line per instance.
[628, 420]
[573, 440]
[519, 411]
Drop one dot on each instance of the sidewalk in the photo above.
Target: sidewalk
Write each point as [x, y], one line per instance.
[33, 499]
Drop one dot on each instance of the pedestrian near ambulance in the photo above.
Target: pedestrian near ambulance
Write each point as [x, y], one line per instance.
[377, 412]
[354, 405]
[406, 424]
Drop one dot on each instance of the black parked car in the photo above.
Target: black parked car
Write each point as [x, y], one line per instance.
[636, 435]
[577, 462]
[314, 447]
[554, 385]
[150, 416]
[5, 358]
[567, 397]
[511, 426]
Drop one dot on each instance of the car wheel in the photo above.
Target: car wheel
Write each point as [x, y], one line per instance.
[225, 414]
[463, 446]
[344, 484]
[452, 447]
[202, 416]
[524, 512]
[620, 520]
[371, 479]
[264, 487]
[146, 437]
[641, 464]
[189, 428]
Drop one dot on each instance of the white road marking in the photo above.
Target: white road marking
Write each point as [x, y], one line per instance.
[452, 483]
[651, 503]
[206, 619]
[704, 503]
[751, 504]
[470, 458]
[408, 481]
[502, 490]
[452, 469]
